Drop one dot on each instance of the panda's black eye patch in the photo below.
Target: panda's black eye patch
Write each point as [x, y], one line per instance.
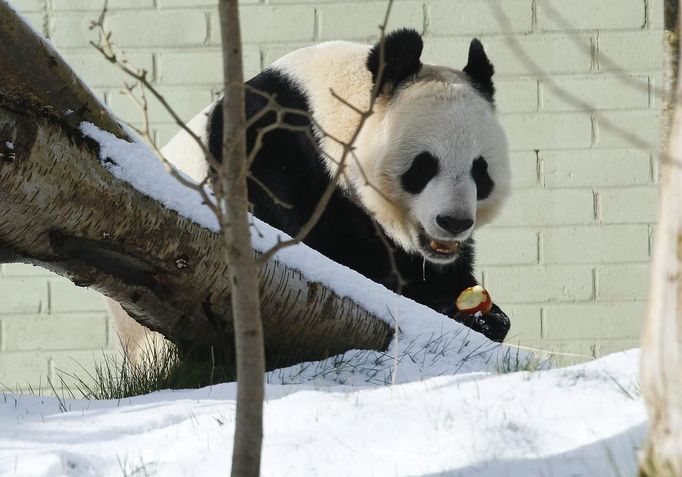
[484, 184]
[424, 168]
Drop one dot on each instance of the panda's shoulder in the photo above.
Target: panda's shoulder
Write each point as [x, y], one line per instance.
[314, 68]
[271, 84]
[275, 83]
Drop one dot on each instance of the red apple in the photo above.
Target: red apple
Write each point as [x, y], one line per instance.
[474, 299]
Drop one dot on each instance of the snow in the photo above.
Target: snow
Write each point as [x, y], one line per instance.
[433, 404]
[587, 420]
[134, 162]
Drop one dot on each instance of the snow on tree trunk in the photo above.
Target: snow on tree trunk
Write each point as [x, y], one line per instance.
[61, 208]
[661, 367]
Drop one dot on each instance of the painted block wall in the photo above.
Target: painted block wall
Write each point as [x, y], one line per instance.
[577, 92]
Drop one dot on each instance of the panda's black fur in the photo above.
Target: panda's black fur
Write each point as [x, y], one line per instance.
[290, 167]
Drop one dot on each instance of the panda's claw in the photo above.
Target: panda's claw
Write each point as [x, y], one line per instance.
[493, 325]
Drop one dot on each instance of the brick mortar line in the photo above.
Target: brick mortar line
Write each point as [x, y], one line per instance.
[51, 353]
[316, 24]
[542, 306]
[209, 33]
[594, 285]
[653, 169]
[261, 58]
[539, 98]
[65, 352]
[595, 130]
[569, 266]
[540, 249]
[51, 371]
[108, 333]
[426, 18]
[46, 18]
[596, 207]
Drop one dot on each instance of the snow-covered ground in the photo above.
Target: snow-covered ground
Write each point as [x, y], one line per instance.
[587, 420]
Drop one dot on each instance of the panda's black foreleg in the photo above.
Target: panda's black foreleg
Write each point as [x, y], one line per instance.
[493, 325]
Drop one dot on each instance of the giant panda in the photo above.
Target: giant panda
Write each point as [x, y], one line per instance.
[429, 166]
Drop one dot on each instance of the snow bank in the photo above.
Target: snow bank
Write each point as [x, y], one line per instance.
[587, 420]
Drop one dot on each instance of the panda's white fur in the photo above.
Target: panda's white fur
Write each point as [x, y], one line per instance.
[183, 151]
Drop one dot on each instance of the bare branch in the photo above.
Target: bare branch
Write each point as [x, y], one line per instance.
[267, 190]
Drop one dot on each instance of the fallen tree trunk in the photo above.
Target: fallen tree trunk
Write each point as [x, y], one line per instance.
[60, 208]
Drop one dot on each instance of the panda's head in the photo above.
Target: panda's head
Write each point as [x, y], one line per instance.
[432, 161]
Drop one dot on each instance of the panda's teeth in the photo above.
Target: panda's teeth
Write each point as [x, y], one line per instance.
[444, 247]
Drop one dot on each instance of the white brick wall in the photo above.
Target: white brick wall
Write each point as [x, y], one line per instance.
[44, 322]
[567, 258]
[603, 15]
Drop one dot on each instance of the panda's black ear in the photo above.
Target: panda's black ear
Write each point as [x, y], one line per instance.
[480, 70]
[401, 52]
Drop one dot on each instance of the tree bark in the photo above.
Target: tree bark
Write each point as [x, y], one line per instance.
[671, 56]
[60, 208]
[231, 188]
[34, 76]
[661, 367]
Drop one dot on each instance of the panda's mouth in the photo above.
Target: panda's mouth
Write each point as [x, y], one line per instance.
[444, 248]
[438, 249]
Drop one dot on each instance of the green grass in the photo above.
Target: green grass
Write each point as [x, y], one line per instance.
[514, 360]
[157, 368]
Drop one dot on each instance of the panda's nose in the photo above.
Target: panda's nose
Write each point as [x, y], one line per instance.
[454, 225]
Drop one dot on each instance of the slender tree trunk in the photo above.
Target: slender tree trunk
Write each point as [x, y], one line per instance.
[248, 330]
[661, 368]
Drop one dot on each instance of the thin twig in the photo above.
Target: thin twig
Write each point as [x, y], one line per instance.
[267, 190]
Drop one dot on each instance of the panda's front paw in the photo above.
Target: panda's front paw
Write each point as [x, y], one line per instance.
[493, 325]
